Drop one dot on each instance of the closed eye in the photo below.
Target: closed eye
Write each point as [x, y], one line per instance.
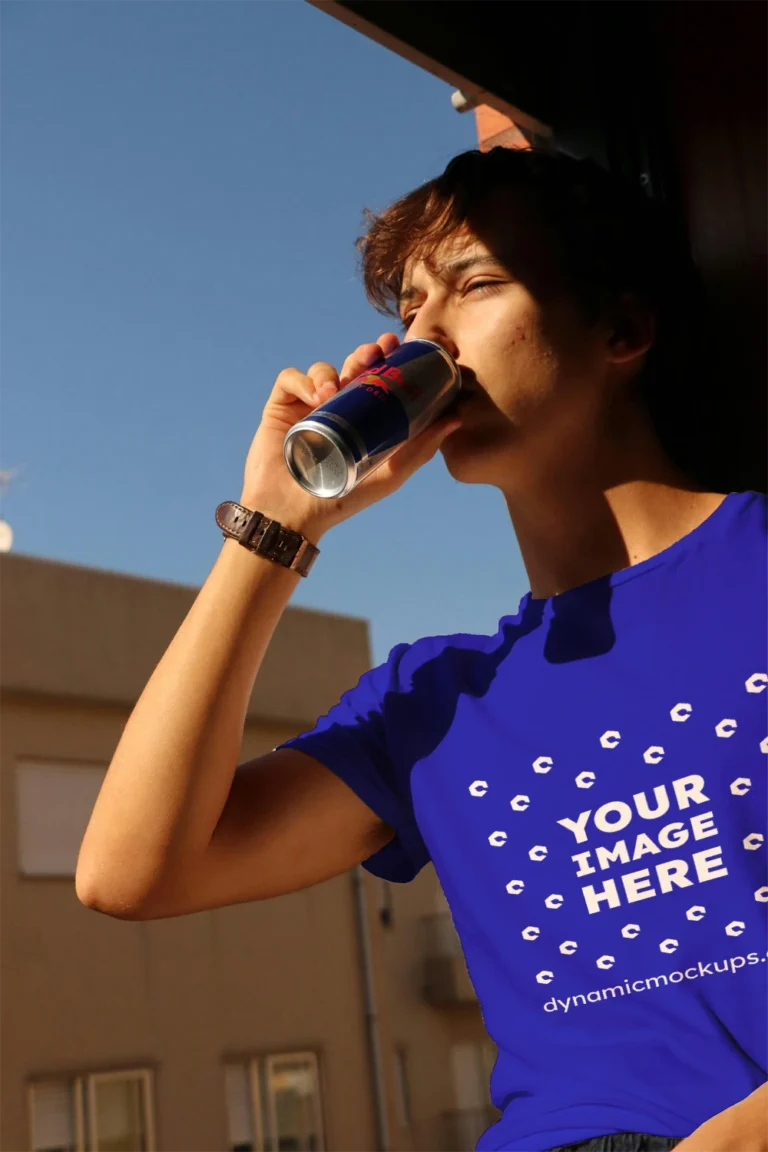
[484, 284]
[490, 285]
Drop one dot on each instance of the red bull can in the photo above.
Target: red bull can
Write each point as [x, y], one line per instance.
[358, 429]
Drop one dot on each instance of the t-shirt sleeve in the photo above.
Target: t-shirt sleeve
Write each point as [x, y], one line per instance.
[355, 740]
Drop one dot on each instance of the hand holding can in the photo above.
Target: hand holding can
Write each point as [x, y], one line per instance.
[353, 433]
[267, 483]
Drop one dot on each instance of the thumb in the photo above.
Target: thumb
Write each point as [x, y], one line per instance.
[423, 447]
[394, 472]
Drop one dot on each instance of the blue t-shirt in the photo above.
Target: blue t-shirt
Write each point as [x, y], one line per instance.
[590, 784]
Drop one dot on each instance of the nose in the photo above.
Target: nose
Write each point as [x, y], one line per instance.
[436, 334]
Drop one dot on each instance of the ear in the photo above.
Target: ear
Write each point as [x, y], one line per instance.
[631, 329]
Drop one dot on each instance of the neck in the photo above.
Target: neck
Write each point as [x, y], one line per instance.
[620, 504]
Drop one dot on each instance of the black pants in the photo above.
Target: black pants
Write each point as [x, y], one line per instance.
[622, 1142]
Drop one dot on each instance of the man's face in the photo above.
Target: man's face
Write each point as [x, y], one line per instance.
[535, 372]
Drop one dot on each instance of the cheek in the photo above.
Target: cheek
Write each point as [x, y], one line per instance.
[507, 348]
[564, 331]
[527, 365]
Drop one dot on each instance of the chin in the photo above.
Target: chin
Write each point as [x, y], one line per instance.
[473, 457]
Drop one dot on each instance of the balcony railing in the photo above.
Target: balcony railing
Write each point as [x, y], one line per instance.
[445, 979]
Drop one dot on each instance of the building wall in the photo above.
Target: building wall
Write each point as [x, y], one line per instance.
[84, 992]
[83, 633]
[428, 1033]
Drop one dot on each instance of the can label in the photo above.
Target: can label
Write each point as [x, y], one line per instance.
[391, 401]
[371, 408]
[385, 404]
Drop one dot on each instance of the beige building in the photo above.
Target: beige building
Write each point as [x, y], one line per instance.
[338, 1018]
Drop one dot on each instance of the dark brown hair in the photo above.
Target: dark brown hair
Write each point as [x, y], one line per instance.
[605, 238]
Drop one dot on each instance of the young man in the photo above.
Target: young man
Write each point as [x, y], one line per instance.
[589, 781]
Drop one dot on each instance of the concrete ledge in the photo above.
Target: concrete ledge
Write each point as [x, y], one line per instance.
[70, 631]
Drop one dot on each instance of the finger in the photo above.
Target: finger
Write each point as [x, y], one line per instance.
[393, 473]
[368, 354]
[293, 385]
[411, 456]
[363, 357]
[325, 379]
[423, 447]
[388, 342]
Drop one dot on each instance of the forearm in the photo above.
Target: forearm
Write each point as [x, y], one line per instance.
[172, 770]
[757, 1104]
[743, 1127]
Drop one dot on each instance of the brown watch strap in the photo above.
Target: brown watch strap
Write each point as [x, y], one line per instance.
[266, 537]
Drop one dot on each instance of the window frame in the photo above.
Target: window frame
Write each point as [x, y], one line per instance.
[258, 1073]
[82, 1090]
[144, 1076]
[269, 1063]
[257, 1110]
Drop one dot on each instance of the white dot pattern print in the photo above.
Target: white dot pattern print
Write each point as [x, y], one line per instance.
[656, 814]
[590, 785]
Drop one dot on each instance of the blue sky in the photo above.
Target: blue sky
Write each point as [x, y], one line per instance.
[182, 184]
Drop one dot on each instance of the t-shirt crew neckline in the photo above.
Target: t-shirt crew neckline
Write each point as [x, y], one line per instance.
[696, 536]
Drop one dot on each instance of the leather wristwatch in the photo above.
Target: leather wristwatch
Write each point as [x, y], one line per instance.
[266, 537]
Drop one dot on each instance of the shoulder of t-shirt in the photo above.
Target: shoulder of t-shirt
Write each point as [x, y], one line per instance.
[405, 660]
[760, 502]
[749, 516]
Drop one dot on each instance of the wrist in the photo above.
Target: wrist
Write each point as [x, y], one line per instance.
[296, 520]
[260, 531]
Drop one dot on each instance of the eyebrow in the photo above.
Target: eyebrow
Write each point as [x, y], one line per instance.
[454, 269]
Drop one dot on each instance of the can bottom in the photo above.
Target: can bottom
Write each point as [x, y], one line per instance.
[317, 463]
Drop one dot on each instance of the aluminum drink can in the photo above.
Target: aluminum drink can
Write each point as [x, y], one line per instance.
[354, 432]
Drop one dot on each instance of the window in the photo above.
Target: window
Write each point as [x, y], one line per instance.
[273, 1104]
[402, 1090]
[99, 1112]
[243, 1107]
[53, 804]
[54, 1113]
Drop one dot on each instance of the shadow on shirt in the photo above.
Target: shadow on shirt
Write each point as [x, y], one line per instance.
[393, 732]
[579, 628]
